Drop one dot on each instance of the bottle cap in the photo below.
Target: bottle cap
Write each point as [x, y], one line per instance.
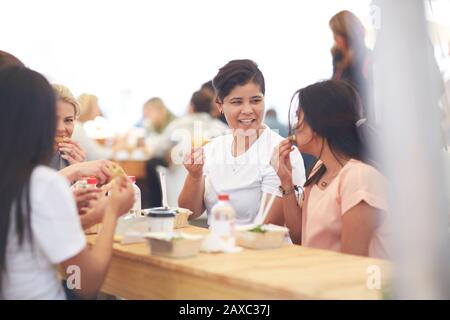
[224, 197]
[91, 180]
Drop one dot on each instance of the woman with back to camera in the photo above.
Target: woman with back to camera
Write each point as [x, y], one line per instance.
[344, 207]
[39, 224]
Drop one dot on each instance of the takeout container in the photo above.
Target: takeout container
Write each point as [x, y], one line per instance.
[180, 219]
[272, 237]
[160, 219]
[174, 244]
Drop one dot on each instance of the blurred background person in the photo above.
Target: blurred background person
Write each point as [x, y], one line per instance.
[352, 59]
[155, 116]
[271, 119]
[208, 88]
[178, 136]
[89, 111]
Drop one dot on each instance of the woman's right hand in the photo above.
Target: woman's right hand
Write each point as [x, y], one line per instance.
[97, 168]
[281, 162]
[194, 161]
[121, 198]
[85, 197]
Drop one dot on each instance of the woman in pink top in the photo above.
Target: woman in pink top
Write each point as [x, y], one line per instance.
[343, 207]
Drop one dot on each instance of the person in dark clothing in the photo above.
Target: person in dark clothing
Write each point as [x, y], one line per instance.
[352, 60]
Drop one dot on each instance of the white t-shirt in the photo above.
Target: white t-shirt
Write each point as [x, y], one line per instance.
[57, 236]
[94, 151]
[245, 178]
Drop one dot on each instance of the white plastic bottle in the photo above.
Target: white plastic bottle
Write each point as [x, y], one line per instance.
[136, 209]
[223, 219]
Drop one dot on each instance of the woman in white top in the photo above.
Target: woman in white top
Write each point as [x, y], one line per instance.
[238, 163]
[39, 223]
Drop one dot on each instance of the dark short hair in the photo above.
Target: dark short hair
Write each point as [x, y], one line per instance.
[7, 59]
[201, 101]
[237, 73]
[207, 86]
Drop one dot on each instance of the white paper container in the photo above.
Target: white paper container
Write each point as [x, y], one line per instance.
[161, 224]
[181, 217]
[163, 244]
[272, 238]
[180, 220]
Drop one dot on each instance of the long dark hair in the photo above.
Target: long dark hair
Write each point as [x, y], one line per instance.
[332, 109]
[27, 129]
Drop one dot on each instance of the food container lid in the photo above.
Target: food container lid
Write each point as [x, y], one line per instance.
[159, 212]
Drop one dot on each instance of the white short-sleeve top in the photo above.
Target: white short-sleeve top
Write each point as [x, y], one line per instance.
[246, 177]
[57, 236]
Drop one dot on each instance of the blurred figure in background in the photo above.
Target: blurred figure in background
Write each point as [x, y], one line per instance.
[208, 88]
[89, 110]
[156, 116]
[272, 121]
[352, 60]
[198, 121]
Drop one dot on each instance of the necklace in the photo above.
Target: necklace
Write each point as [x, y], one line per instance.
[325, 184]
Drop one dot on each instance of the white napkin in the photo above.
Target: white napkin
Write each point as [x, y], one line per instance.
[131, 228]
[213, 243]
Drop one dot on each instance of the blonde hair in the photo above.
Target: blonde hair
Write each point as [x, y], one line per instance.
[64, 94]
[156, 103]
[347, 25]
[87, 102]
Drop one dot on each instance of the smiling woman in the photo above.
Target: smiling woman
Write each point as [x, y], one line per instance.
[67, 152]
[237, 163]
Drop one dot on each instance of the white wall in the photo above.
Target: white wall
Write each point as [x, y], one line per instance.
[128, 51]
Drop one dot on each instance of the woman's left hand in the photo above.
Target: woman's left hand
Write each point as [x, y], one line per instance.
[71, 151]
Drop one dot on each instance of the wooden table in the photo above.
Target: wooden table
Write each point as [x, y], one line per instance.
[289, 272]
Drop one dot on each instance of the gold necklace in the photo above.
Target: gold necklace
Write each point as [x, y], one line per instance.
[324, 184]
